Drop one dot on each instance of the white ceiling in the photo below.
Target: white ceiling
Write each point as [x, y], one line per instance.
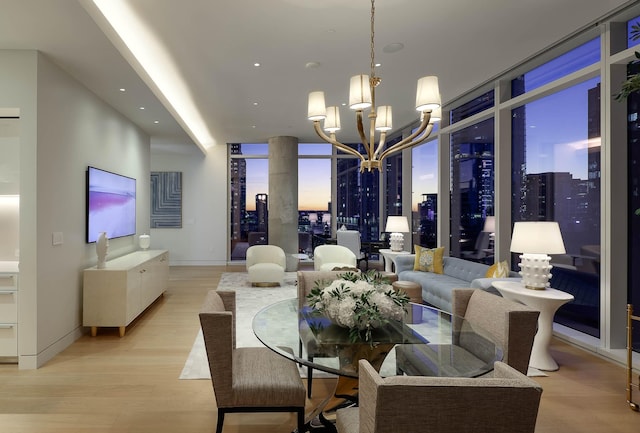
[214, 44]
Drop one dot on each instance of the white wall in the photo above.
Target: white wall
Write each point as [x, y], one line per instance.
[203, 238]
[64, 128]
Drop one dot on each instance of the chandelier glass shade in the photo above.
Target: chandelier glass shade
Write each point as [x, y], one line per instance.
[362, 97]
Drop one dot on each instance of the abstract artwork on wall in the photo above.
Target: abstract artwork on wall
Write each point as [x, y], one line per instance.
[166, 199]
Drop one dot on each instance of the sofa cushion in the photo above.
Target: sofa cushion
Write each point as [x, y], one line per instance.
[498, 270]
[428, 259]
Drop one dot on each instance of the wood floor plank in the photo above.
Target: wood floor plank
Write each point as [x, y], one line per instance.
[108, 384]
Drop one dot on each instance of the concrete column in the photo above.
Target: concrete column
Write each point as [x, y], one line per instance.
[283, 196]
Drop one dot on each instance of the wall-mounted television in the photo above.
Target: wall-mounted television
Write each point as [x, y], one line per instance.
[111, 204]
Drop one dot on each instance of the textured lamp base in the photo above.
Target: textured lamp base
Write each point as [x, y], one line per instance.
[396, 241]
[535, 271]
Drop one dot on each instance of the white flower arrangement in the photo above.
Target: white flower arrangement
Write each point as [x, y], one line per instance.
[358, 301]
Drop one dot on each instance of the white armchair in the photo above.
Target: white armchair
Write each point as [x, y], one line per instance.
[327, 257]
[266, 265]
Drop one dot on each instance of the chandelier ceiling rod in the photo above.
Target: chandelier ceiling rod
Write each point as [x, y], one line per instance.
[361, 96]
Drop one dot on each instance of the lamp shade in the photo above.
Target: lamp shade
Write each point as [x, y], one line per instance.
[489, 224]
[436, 115]
[359, 92]
[537, 237]
[397, 224]
[427, 94]
[383, 118]
[332, 122]
[317, 109]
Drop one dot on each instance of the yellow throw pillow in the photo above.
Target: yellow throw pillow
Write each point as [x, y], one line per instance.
[498, 270]
[429, 259]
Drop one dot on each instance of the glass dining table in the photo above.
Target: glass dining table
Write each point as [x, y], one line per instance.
[427, 342]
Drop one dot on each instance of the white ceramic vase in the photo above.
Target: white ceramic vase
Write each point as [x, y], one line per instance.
[102, 248]
[144, 241]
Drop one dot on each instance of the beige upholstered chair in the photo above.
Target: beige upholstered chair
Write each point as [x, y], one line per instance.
[351, 240]
[506, 324]
[512, 326]
[246, 379]
[508, 402]
[328, 257]
[306, 281]
[266, 265]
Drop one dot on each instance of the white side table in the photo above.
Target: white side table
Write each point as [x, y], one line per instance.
[546, 301]
[390, 258]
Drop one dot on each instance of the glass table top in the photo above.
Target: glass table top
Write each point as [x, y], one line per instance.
[428, 342]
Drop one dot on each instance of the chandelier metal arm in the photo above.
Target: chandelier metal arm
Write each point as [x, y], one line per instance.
[334, 142]
[409, 141]
[363, 137]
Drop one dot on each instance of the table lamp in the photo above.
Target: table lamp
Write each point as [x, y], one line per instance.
[397, 225]
[535, 240]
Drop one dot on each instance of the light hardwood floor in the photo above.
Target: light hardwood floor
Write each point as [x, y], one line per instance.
[108, 384]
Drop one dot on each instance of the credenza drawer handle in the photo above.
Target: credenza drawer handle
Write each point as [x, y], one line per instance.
[3, 326]
[8, 292]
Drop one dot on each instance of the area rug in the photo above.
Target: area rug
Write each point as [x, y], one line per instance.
[249, 301]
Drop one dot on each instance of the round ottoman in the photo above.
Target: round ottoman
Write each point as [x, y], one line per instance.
[391, 276]
[414, 292]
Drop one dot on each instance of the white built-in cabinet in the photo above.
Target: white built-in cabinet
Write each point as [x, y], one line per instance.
[8, 309]
[116, 294]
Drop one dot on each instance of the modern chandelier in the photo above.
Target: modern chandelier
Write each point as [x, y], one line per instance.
[362, 96]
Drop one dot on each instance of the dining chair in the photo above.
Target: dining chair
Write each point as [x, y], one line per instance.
[496, 321]
[306, 282]
[510, 325]
[507, 402]
[351, 240]
[481, 247]
[328, 257]
[246, 379]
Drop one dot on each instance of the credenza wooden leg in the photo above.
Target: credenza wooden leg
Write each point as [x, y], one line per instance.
[122, 330]
[94, 331]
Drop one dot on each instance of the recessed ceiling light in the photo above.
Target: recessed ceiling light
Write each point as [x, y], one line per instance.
[123, 89]
[257, 64]
[142, 108]
[255, 103]
[393, 48]
[156, 121]
[312, 65]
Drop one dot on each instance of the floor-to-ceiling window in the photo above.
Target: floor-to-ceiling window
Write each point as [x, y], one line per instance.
[633, 150]
[472, 185]
[249, 195]
[314, 195]
[424, 193]
[556, 177]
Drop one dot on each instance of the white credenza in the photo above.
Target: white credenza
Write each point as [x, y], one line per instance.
[115, 295]
[8, 309]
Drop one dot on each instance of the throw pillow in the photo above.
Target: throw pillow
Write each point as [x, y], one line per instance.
[498, 270]
[429, 259]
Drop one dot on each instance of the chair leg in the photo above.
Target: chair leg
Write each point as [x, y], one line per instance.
[309, 380]
[220, 421]
[301, 428]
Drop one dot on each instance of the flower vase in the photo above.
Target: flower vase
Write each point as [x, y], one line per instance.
[102, 248]
[144, 241]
